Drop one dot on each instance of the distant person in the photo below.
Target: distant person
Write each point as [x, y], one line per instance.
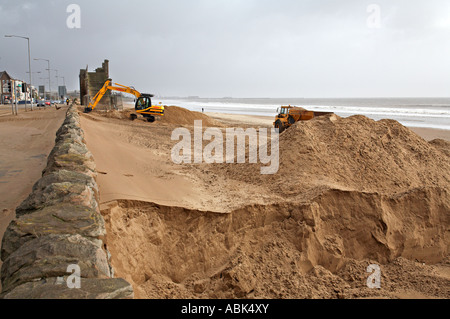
[203, 110]
[67, 101]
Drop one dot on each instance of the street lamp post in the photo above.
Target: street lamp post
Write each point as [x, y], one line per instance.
[49, 84]
[57, 84]
[29, 68]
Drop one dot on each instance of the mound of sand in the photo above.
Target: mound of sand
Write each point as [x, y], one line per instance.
[363, 154]
[349, 193]
[173, 115]
[121, 115]
[354, 153]
[181, 116]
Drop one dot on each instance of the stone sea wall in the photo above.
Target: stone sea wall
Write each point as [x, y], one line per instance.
[55, 248]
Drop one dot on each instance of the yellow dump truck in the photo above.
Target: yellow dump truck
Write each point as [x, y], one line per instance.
[289, 115]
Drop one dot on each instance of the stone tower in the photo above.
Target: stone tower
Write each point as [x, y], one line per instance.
[92, 82]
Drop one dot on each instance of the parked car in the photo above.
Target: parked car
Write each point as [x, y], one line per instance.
[43, 103]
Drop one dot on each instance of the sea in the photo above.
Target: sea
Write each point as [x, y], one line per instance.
[411, 112]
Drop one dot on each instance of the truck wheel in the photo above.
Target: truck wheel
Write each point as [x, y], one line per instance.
[151, 119]
[279, 126]
[291, 120]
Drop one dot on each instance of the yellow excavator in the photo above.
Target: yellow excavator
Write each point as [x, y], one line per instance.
[143, 104]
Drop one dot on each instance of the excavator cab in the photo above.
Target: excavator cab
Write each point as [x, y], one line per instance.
[146, 109]
[143, 103]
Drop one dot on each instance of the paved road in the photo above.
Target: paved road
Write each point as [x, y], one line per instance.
[26, 141]
[6, 109]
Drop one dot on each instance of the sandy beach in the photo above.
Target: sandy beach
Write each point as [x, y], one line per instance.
[430, 134]
[29, 137]
[190, 231]
[230, 151]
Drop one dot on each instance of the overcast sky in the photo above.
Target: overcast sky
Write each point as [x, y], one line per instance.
[239, 48]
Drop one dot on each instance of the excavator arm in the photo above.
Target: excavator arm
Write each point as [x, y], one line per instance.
[113, 87]
[143, 101]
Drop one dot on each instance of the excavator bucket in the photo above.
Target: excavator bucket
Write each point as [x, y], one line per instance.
[87, 110]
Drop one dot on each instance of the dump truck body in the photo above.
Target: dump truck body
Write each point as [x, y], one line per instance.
[289, 115]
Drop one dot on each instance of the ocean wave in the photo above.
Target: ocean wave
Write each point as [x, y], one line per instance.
[435, 116]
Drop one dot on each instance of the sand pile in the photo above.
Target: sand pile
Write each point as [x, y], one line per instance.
[173, 115]
[121, 115]
[181, 116]
[362, 154]
[354, 153]
[349, 193]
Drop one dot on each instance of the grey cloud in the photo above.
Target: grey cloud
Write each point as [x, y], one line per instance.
[240, 47]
